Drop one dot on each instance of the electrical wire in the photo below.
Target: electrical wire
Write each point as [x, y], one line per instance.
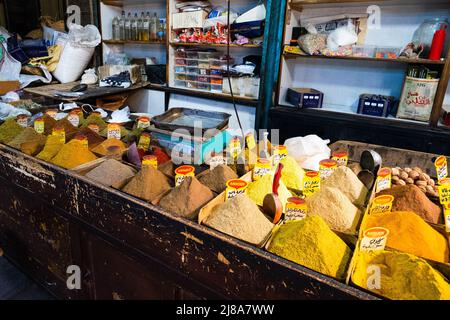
[228, 69]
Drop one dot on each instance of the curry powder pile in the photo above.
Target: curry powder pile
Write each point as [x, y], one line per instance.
[102, 148]
[28, 141]
[292, 174]
[403, 276]
[311, 243]
[258, 189]
[52, 146]
[410, 233]
[73, 154]
[9, 130]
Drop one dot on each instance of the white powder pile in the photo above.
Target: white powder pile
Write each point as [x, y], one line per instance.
[344, 179]
[335, 208]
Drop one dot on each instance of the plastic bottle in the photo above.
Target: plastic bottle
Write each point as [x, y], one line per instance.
[115, 29]
[122, 26]
[154, 27]
[140, 27]
[160, 31]
[128, 27]
[134, 28]
[146, 28]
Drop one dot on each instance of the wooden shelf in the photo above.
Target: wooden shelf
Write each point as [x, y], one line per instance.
[398, 60]
[121, 42]
[232, 45]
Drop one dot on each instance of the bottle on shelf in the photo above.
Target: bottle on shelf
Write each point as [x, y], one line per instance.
[160, 33]
[134, 28]
[128, 27]
[146, 27]
[115, 29]
[140, 27]
[154, 27]
[122, 26]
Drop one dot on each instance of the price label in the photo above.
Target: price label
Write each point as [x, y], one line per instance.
[262, 167]
[374, 239]
[382, 204]
[114, 131]
[60, 133]
[83, 140]
[311, 182]
[235, 147]
[279, 153]
[216, 161]
[444, 194]
[22, 120]
[326, 168]
[144, 141]
[150, 161]
[94, 127]
[39, 125]
[74, 119]
[296, 209]
[384, 178]
[235, 187]
[341, 158]
[181, 173]
[250, 140]
[52, 113]
[143, 123]
[441, 167]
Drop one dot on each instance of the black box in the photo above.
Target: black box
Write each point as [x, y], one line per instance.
[305, 97]
[375, 105]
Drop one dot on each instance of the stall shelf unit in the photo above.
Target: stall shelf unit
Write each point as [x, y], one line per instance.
[165, 51]
[343, 79]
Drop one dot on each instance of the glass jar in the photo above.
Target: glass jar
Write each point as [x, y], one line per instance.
[424, 34]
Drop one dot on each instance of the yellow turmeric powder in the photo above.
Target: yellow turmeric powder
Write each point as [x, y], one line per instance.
[403, 276]
[410, 233]
[292, 174]
[257, 190]
[311, 243]
[73, 154]
[52, 146]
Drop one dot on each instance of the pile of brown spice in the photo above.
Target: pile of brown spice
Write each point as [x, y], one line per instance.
[102, 148]
[69, 130]
[148, 184]
[49, 124]
[411, 198]
[112, 173]
[94, 139]
[217, 178]
[28, 141]
[186, 199]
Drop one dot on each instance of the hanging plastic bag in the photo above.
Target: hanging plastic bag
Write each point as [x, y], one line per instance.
[9, 67]
[342, 36]
[77, 52]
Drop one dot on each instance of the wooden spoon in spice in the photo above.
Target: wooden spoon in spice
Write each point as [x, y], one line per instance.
[272, 205]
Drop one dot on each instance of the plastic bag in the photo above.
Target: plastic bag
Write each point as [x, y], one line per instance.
[120, 116]
[312, 43]
[9, 67]
[9, 111]
[85, 37]
[342, 36]
[308, 151]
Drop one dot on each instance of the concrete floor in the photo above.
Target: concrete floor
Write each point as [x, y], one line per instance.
[15, 285]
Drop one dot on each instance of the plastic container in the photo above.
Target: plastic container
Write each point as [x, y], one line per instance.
[215, 72]
[203, 64]
[215, 63]
[180, 76]
[387, 52]
[191, 84]
[204, 86]
[192, 54]
[192, 62]
[366, 51]
[180, 83]
[203, 79]
[180, 62]
[203, 72]
[191, 77]
[216, 88]
[180, 69]
[216, 80]
[192, 70]
[205, 55]
[180, 54]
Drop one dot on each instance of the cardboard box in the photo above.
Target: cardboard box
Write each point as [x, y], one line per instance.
[185, 20]
[7, 86]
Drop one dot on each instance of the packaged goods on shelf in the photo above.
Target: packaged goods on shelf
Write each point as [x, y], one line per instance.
[305, 97]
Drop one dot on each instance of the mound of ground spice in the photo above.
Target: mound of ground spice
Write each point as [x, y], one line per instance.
[258, 189]
[344, 179]
[9, 130]
[292, 174]
[102, 148]
[94, 119]
[148, 184]
[241, 218]
[69, 130]
[49, 124]
[411, 198]
[335, 208]
[311, 243]
[168, 168]
[112, 173]
[73, 154]
[28, 141]
[410, 233]
[186, 199]
[403, 276]
[217, 178]
[94, 139]
[123, 132]
[52, 146]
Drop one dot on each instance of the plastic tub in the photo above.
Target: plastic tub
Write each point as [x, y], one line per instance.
[191, 77]
[215, 63]
[205, 55]
[216, 88]
[191, 84]
[180, 62]
[387, 52]
[203, 64]
[215, 72]
[192, 62]
[203, 79]
[180, 54]
[180, 76]
[216, 80]
[180, 83]
[203, 72]
[192, 54]
[204, 86]
[192, 70]
[180, 69]
[363, 51]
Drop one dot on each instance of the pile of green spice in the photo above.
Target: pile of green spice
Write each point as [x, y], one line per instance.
[94, 119]
[9, 130]
[28, 141]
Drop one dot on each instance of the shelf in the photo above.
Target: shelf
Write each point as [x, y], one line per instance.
[183, 44]
[398, 60]
[122, 3]
[122, 42]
